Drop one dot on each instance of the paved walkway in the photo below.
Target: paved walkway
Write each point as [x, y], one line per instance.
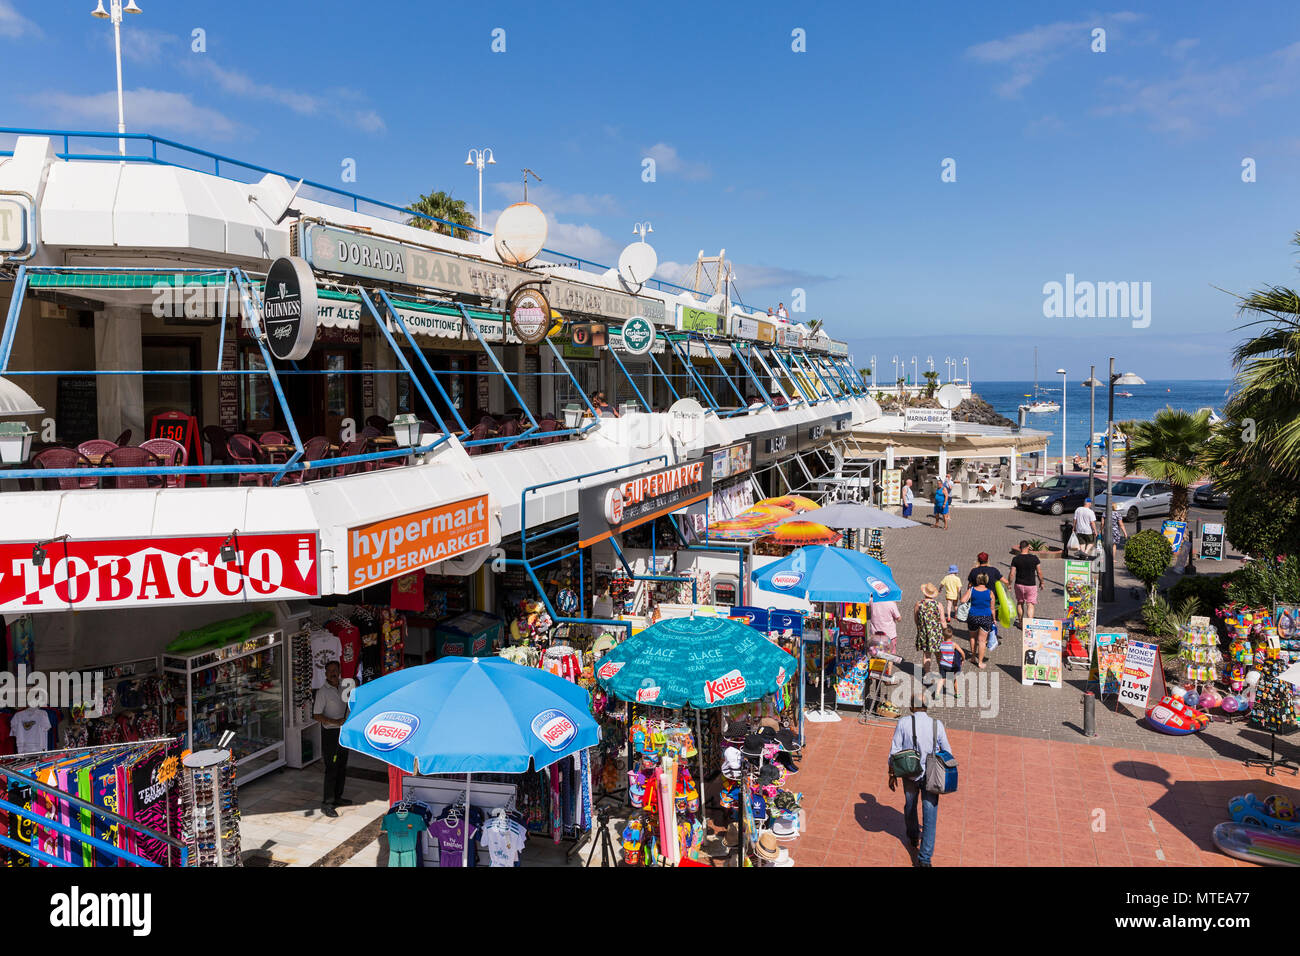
[1021, 803]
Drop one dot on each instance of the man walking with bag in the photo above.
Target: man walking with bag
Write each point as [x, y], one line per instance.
[917, 738]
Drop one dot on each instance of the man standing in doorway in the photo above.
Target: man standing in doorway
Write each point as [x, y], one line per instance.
[1085, 526]
[1026, 579]
[909, 498]
[330, 713]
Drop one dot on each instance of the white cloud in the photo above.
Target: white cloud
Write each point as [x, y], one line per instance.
[239, 83]
[667, 160]
[146, 109]
[13, 23]
[1029, 52]
[142, 46]
[557, 202]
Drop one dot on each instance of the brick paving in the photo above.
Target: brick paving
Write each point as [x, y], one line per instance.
[1021, 802]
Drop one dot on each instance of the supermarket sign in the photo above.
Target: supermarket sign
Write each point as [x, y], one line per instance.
[383, 550]
[130, 572]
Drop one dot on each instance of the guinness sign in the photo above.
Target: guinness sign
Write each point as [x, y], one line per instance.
[289, 308]
[530, 314]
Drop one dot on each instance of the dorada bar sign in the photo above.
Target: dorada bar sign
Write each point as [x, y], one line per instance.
[617, 506]
[156, 571]
[289, 308]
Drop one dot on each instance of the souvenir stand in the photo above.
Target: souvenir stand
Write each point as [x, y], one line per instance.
[1080, 625]
[470, 716]
[675, 666]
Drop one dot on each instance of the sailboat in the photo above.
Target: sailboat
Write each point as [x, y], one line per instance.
[1039, 404]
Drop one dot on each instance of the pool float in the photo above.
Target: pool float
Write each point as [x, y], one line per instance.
[1169, 715]
[1257, 845]
[1276, 813]
[1006, 608]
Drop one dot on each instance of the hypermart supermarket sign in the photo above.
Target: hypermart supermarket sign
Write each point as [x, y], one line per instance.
[383, 550]
[128, 572]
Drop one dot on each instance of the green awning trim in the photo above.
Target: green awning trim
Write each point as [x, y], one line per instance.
[122, 280]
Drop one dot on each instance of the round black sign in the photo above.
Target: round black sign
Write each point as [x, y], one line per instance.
[289, 308]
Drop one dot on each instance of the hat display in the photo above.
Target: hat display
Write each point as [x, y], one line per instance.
[769, 723]
[783, 858]
[753, 746]
[733, 835]
[737, 729]
[786, 760]
[768, 774]
[768, 847]
[788, 741]
[784, 827]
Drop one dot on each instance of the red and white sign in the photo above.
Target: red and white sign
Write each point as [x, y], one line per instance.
[609, 669]
[645, 695]
[614, 506]
[128, 572]
[728, 685]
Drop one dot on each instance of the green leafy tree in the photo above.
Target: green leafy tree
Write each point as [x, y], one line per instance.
[1147, 555]
[931, 384]
[1170, 448]
[440, 205]
[1263, 518]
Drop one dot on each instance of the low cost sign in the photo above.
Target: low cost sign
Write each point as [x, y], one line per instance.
[383, 550]
[1138, 670]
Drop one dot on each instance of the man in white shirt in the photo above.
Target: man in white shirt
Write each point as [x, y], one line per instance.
[1085, 525]
[930, 736]
[330, 711]
[909, 498]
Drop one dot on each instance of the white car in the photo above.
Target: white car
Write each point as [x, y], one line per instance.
[1137, 498]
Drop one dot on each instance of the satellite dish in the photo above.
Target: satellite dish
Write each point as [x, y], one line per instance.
[686, 420]
[637, 263]
[949, 396]
[520, 233]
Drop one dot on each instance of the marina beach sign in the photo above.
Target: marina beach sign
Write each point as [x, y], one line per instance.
[331, 249]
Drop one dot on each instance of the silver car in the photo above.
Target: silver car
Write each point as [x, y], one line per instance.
[1137, 498]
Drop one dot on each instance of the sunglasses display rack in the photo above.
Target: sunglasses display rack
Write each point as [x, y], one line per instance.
[210, 808]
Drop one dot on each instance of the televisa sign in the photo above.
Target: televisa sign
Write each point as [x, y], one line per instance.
[332, 249]
[617, 506]
[383, 550]
[127, 572]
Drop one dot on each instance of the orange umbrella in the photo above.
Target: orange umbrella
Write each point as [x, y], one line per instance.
[800, 533]
[774, 512]
[745, 522]
[803, 504]
[785, 502]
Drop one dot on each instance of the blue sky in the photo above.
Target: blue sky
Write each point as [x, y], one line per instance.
[817, 170]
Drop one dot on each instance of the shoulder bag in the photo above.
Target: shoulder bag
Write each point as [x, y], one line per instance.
[907, 763]
[940, 767]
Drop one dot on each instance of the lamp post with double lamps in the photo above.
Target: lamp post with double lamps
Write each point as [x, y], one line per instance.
[1061, 372]
[1125, 378]
[478, 158]
[966, 364]
[114, 13]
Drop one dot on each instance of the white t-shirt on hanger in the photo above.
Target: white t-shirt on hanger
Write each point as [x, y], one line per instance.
[31, 728]
[325, 647]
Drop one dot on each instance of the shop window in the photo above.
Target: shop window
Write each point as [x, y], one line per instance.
[182, 392]
[256, 399]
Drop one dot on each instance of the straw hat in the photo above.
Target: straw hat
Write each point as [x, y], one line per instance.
[929, 590]
[768, 847]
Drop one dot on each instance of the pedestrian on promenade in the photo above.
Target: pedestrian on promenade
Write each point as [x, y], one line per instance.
[980, 618]
[983, 567]
[920, 732]
[950, 659]
[909, 498]
[1085, 526]
[941, 506]
[330, 712]
[1026, 579]
[883, 626]
[1118, 533]
[931, 619]
[951, 585]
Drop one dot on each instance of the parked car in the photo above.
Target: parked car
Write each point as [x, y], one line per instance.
[1207, 497]
[1057, 495]
[1137, 498]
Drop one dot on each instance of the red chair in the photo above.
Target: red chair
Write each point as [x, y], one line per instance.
[242, 450]
[370, 431]
[95, 447]
[64, 458]
[123, 439]
[357, 447]
[550, 425]
[172, 454]
[313, 449]
[273, 438]
[378, 423]
[478, 433]
[130, 456]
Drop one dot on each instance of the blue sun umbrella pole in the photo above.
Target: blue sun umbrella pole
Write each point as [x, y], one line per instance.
[469, 715]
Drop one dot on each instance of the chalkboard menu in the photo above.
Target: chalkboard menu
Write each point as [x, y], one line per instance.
[1212, 541]
[77, 416]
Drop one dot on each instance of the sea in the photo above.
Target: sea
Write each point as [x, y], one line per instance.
[1006, 397]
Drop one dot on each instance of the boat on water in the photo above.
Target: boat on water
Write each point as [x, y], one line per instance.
[1123, 394]
[1039, 405]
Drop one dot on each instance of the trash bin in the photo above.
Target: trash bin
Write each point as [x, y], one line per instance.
[1067, 528]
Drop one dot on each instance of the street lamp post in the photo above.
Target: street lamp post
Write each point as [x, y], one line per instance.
[1092, 384]
[1061, 372]
[966, 364]
[641, 229]
[1126, 378]
[896, 373]
[913, 371]
[114, 13]
[478, 158]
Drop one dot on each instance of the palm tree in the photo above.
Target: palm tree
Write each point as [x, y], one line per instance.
[865, 372]
[931, 383]
[440, 205]
[1169, 448]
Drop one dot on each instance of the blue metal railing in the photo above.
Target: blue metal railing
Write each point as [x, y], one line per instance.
[336, 196]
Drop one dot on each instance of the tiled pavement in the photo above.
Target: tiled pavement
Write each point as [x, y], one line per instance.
[1020, 803]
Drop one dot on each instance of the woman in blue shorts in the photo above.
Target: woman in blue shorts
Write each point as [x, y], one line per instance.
[980, 618]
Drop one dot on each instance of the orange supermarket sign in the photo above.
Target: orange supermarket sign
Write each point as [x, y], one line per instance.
[383, 550]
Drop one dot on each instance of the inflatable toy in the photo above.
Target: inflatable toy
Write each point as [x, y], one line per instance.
[1229, 704]
[1178, 692]
[1192, 699]
[1210, 698]
[1257, 845]
[1006, 607]
[1171, 716]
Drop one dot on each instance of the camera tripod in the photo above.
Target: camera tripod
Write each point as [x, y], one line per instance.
[608, 856]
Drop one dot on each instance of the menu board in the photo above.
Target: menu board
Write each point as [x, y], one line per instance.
[1212, 541]
[891, 492]
[1041, 653]
[77, 409]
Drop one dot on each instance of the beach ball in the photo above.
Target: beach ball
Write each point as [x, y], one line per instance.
[1229, 704]
[1191, 698]
[1210, 698]
[1243, 703]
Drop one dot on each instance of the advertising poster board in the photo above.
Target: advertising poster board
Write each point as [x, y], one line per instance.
[1041, 653]
[1108, 662]
[1138, 673]
[891, 492]
[1212, 541]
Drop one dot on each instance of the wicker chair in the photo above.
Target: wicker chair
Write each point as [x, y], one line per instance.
[357, 447]
[313, 449]
[242, 450]
[130, 456]
[64, 458]
[172, 454]
[95, 447]
[124, 438]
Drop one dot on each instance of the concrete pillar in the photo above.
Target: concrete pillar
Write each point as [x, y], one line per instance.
[120, 397]
[889, 455]
[1014, 456]
[943, 460]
